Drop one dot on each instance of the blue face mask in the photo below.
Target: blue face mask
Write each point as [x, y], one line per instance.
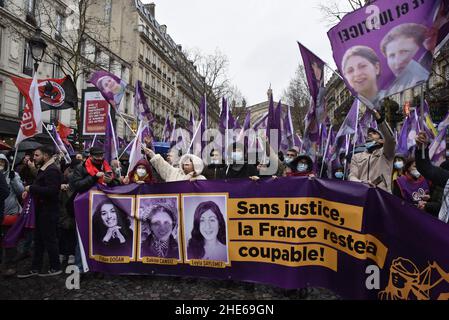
[339, 175]
[399, 165]
[302, 167]
[370, 144]
[288, 160]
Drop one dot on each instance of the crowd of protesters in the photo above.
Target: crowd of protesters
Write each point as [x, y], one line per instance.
[45, 176]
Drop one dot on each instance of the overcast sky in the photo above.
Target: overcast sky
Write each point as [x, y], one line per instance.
[258, 36]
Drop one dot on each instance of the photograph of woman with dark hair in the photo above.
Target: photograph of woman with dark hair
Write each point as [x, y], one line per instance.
[208, 240]
[112, 233]
[361, 68]
[162, 221]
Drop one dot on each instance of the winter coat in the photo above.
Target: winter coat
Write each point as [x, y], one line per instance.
[16, 188]
[82, 181]
[376, 165]
[236, 171]
[215, 172]
[171, 174]
[46, 189]
[133, 178]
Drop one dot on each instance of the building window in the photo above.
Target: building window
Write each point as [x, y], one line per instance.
[59, 26]
[107, 10]
[29, 7]
[22, 103]
[27, 61]
[57, 73]
[57, 67]
[98, 56]
[127, 103]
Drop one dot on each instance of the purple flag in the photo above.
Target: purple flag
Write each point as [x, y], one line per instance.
[112, 88]
[348, 125]
[314, 69]
[60, 145]
[167, 131]
[401, 147]
[375, 47]
[25, 221]
[437, 150]
[141, 108]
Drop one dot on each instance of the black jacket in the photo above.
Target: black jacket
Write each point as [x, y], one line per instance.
[82, 181]
[4, 193]
[46, 188]
[215, 172]
[240, 171]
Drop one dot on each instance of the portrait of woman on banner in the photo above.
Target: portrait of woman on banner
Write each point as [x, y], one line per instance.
[362, 70]
[111, 87]
[401, 46]
[112, 233]
[162, 223]
[208, 237]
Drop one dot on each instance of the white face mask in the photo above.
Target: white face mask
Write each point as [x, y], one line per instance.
[215, 161]
[302, 167]
[415, 174]
[237, 156]
[288, 160]
[2, 168]
[141, 172]
[398, 165]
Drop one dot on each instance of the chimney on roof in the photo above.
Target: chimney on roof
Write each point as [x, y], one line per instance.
[151, 7]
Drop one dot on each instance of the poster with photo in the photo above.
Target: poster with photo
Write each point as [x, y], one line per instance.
[111, 228]
[205, 230]
[158, 229]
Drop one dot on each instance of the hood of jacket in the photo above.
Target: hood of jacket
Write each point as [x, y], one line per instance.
[3, 157]
[198, 164]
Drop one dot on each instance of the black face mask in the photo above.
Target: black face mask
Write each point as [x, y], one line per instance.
[97, 162]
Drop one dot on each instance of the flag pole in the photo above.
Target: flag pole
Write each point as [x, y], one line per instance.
[356, 128]
[129, 144]
[54, 141]
[325, 150]
[423, 152]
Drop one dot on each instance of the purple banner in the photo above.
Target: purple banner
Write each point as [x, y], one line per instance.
[358, 241]
[387, 47]
[112, 88]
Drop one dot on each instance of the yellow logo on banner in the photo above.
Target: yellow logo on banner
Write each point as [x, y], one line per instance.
[408, 283]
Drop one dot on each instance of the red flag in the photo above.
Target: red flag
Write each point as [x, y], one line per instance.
[32, 114]
[55, 94]
[63, 132]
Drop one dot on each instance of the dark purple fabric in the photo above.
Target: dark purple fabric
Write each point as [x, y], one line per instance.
[26, 220]
[417, 243]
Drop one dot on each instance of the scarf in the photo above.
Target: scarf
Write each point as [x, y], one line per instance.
[161, 247]
[93, 170]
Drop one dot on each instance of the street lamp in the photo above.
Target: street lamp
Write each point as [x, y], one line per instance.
[37, 47]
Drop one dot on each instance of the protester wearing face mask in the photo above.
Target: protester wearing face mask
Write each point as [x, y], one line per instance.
[237, 166]
[302, 166]
[374, 166]
[141, 174]
[290, 156]
[339, 173]
[412, 186]
[398, 167]
[216, 169]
